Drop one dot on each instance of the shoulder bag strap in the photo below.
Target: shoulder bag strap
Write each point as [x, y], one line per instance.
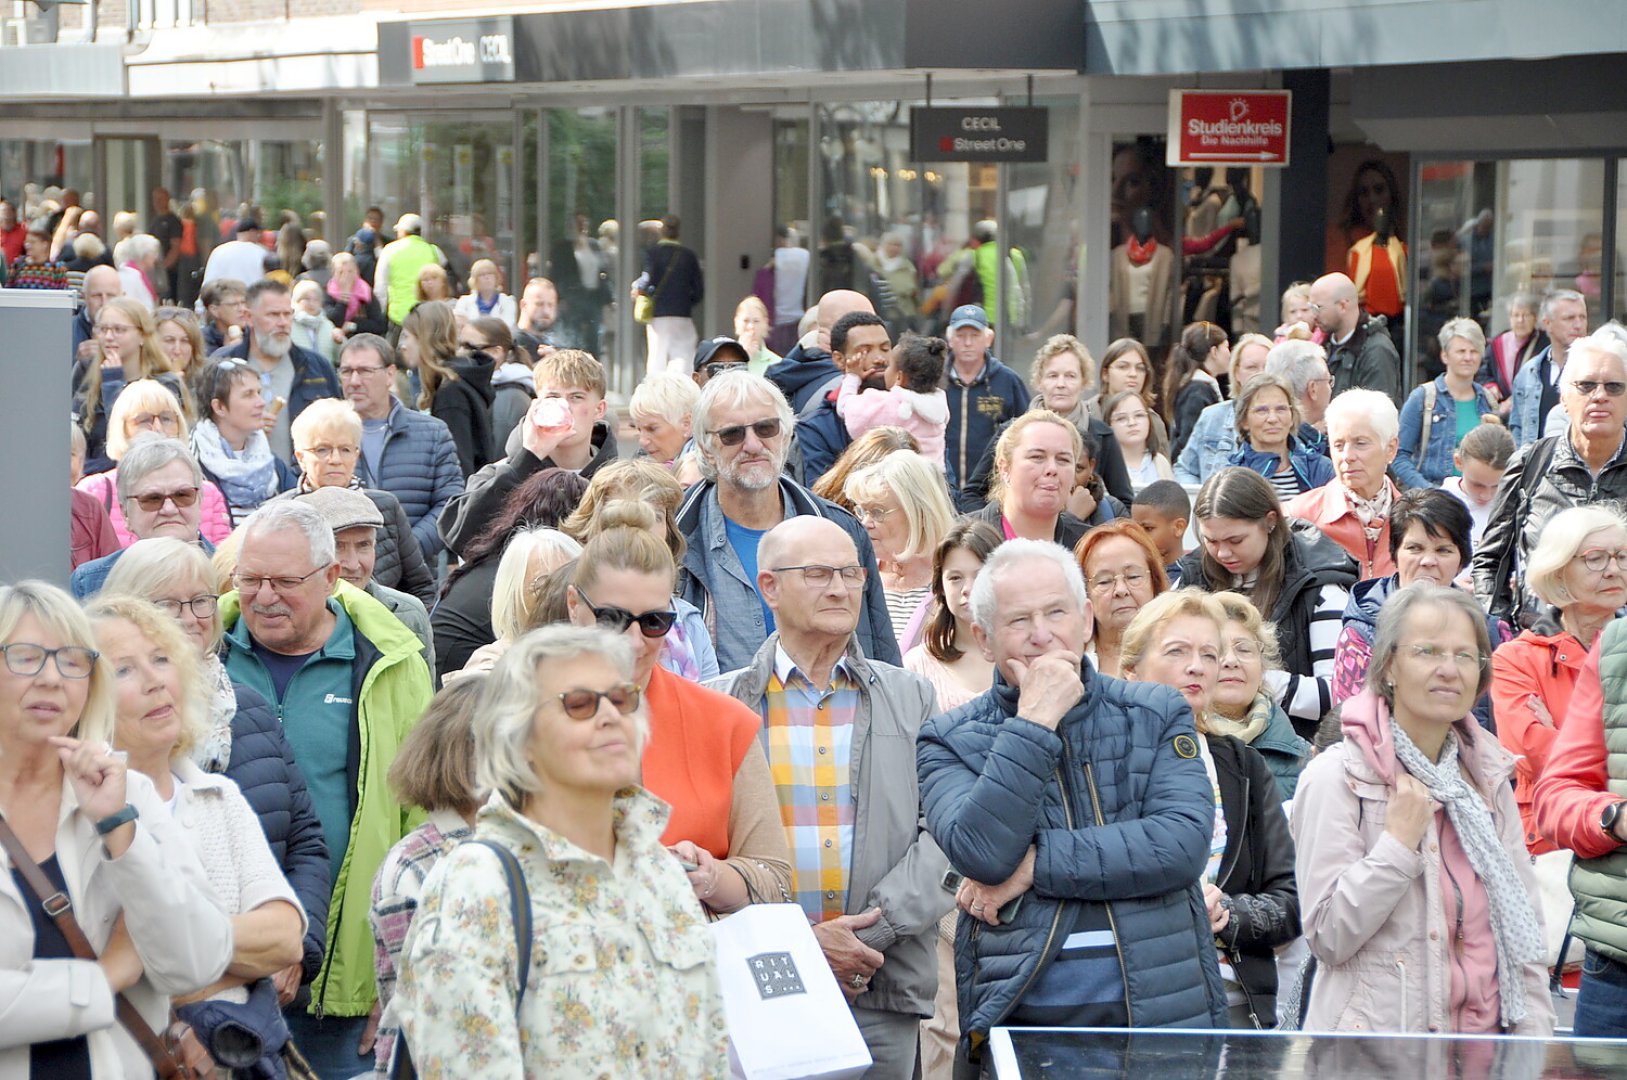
[59, 906]
[1429, 420]
[672, 264]
[519, 908]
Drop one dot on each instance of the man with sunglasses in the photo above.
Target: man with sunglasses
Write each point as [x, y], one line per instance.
[1587, 463]
[743, 432]
[839, 729]
[348, 681]
[158, 490]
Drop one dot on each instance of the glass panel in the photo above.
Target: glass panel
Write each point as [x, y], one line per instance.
[791, 194]
[1619, 293]
[582, 250]
[29, 166]
[1041, 287]
[654, 153]
[1495, 228]
[1144, 299]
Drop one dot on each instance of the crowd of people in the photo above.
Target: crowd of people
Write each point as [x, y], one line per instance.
[1229, 688]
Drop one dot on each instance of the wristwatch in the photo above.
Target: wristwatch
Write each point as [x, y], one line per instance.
[1609, 819]
[115, 819]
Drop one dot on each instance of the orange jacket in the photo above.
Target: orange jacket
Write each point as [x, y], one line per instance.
[1544, 662]
[1571, 795]
[698, 737]
[1330, 511]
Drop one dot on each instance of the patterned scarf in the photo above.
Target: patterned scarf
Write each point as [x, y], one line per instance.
[1372, 513]
[214, 751]
[1140, 254]
[1513, 920]
[1248, 727]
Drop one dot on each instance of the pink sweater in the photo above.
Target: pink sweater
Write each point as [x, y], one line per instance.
[214, 520]
[926, 416]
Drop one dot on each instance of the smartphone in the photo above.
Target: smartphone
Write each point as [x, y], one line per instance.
[1009, 912]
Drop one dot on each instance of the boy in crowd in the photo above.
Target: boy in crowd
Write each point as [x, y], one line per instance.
[1163, 509]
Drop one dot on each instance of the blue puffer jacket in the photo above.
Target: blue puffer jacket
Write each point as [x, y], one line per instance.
[801, 373]
[1120, 816]
[821, 436]
[419, 466]
[1434, 464]
[262, 766]
[1313, 470]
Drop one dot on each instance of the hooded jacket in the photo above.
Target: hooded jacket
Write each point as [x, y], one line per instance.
[512, 394]
[978, 409]
[464, 405]
[802, 373]
[1546, 662]
[1390, 958]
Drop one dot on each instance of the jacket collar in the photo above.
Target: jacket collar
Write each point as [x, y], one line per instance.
[754, 677]
[639, 818]
[1369, 749]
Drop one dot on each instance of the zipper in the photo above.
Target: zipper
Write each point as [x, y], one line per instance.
[1454, 948]
[1118, 942]
[965, 421]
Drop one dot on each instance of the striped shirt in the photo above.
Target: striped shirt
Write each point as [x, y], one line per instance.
[1286, 483]
[901, 607]
[1309, 697]
[808, 738]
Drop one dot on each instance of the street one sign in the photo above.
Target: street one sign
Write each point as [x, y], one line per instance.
[462, 50]
[978, 135]
[1228, 127]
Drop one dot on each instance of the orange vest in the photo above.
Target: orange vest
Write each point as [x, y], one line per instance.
[698, 737]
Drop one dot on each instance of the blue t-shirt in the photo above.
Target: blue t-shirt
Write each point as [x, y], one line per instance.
[373, 433]
[745, 541]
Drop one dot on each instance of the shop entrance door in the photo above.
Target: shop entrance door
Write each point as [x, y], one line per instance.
[127, 168]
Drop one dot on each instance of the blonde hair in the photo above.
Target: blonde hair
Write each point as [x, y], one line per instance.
[516, 593]
[568, 368]
[57, 613]
[861, 453]
[1006, 445]
[1237, 352]
[150, 359]
[620, 547]
[481, 266]
[1240, 609]
[325, 416]
[164, 634]
[149, 567]
[1156, 613]
[433, 272]
[634, 480]
[666, 396]
[148, 394]
[919, 488]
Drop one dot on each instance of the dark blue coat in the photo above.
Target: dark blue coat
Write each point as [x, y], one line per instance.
[419, 466]
[262, 766]
[1310, 468]
[1119, 815]
[801, 373]
[314, 377]
[978, 409]
[821, 437]
[673, 279]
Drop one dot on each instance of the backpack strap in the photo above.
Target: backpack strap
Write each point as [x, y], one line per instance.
[1428, 418]
[519, 909]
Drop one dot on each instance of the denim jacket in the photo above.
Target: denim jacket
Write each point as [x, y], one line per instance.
[1435, 464]
[1213, 439]
[1525, 416]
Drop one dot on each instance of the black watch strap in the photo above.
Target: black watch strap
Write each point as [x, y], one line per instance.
[114, 820]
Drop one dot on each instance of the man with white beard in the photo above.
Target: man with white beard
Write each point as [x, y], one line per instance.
[288, 374]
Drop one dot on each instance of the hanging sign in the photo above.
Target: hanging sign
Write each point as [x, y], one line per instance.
[978, 135]
[1229, 127]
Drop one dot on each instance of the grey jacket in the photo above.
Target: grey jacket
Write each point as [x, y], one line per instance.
[413, 615]
[895, 864]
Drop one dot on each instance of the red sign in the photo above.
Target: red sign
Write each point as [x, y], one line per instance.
[1229, 127]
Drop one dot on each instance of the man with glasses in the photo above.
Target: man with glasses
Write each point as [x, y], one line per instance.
[743, 432]
[102, 284]
[839, 729]
[405, 452]
[1587, 463]
[288, 373]
[348, 681]
[1360, 352]
[158, 490]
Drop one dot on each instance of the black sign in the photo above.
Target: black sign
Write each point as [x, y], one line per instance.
[462, 50]
[979, 135]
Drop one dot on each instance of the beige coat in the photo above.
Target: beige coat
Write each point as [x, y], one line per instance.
[183, 935]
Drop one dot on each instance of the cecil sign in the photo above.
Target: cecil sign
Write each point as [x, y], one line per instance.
[980, 135]
[463, 50]
[1229, 127]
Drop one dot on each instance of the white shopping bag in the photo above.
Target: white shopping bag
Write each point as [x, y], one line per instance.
[787, 1017]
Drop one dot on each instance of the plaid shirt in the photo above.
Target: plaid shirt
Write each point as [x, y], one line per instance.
[808, 737]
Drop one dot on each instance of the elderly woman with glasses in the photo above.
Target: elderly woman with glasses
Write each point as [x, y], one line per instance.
[128, 348]
[904, 507]
[327, 437]
[559, 739]
[79, 822]
[1415, 886]
[1123, 571]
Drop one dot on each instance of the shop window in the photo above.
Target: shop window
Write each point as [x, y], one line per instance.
[29, 166]
[1040, 289]
[582, 241]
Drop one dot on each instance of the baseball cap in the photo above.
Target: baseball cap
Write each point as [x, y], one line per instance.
[719, 350]
[248, 224]
[344, 508]
[969, 315]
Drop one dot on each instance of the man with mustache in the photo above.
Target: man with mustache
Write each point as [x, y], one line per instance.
[348, 680]
[295, 375]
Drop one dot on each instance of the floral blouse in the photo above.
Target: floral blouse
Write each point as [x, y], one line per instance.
[623, 980]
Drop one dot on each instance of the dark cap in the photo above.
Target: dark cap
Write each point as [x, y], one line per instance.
[248, 224]
[718, 350]
[969, 315]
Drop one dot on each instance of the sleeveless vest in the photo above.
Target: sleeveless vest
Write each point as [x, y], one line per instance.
[405, 264]
[1600, 885]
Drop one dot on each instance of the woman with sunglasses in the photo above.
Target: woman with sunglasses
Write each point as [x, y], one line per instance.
[704, 758]
[559, 741]
[128, 350]
[99, 834]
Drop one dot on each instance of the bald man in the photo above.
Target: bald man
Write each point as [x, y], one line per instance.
[808, 374]
[839, 729]
[1360, 352]
[101, 285]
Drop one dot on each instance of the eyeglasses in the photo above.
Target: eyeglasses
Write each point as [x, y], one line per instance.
[763, 429]
[873, 514]
[1244, 650]
[249, 584]
[152, 501]
[584, 704]
[334, 451]
[357, 370]
[1132, 579]
[652, 624]
[167, 421]
[115, 328]
[713, 370]
[72, 661]
[1126, 417]
[1597, 559]
[1265, 412]
[203, 606]
[1434, 654]
[1586, 387]
[818, 577]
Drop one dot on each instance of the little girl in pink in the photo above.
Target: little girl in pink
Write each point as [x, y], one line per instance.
[914, 399]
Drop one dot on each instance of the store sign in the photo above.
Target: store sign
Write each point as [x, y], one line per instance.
[1229, 127]
[462, 50]
[978, 135]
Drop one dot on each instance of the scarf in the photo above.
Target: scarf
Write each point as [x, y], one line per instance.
[360, 293]
[1250, 726]
[1372, 513]
[214, 750]
[246, 478]
[1140, 254]
[1513, 920]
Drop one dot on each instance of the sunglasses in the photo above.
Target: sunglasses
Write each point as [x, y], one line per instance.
[1586, 387]
[763, 429]
[584, 704]
[182, 499]
[652, 624]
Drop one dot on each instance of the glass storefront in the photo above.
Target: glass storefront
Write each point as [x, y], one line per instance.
[29, 166]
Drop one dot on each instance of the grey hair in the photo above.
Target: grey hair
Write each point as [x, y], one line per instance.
[1372, 407]
[1609, 339]
[731, 390]
[509, 703]
[1561, 541]
[317, 255]
[1297, 361]
[135, 248]
[298, 515]
[147, 454]
[1392, 621]
[1015, 551]
[1559, 296]
[1467, 329]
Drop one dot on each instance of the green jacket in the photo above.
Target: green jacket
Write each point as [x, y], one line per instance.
[394, 688]
[408, 257]
[1600, 885]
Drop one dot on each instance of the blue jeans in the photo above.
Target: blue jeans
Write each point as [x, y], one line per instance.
[1601, 1003]
[329, 1044]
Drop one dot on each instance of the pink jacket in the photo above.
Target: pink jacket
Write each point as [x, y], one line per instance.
[926, 416]
[214, 520]
[1396, 950]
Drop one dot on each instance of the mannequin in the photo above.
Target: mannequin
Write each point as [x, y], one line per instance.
[1245, 276]
[1141, 291]
[1378, 265]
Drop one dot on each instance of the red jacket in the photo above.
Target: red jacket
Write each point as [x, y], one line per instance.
[91, 533]
[1328, 508]
[1571, 794]
[1544, 662]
